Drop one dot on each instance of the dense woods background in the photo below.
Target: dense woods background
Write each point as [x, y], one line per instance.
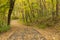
[40, 13]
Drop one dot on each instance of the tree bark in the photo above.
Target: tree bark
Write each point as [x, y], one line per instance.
[57, 3]
[53, 13]
[10, 10]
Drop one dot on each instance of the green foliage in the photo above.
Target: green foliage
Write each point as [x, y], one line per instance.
[4, 28]
[15, 17]
[31, 12]
[37, 12]
[4, 6]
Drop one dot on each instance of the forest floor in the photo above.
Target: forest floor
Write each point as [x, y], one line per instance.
[48, 33]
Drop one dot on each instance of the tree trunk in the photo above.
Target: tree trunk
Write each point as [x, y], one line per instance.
[53, 13]
[10, 10]
[57, 3]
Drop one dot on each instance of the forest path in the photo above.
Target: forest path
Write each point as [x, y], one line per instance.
[19, 31]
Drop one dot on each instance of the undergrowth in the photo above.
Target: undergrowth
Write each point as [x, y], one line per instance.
[4, 28]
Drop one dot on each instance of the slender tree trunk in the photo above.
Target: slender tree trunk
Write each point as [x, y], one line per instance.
[32, 14]
[41, 6]
[10, 10]
[53, 13]
[57, 3]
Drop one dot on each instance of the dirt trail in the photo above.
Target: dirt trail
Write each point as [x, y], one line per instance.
[48, 33]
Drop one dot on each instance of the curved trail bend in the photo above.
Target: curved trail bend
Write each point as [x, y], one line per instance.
[19, 31]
